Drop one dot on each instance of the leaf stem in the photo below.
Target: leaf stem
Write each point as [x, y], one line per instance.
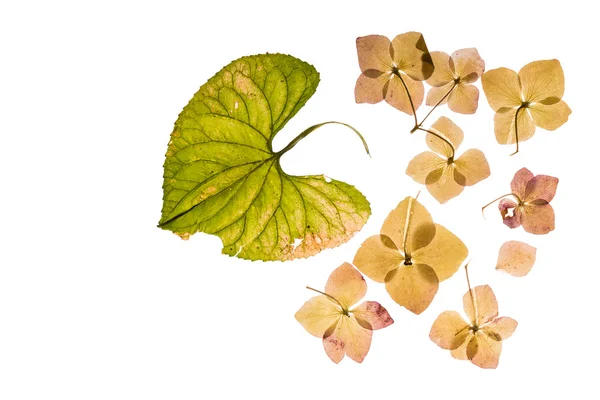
[441, 137]
[328, 295]
[412, 106]
[521, 107]
[438, 103]
[501, 197]
[471, 292]
[307, 131]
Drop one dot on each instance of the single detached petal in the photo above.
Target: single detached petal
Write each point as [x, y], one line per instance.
[516, 258]
[450, 131]
[443, 72]
[372, 315]
[377, 256]
[502, 88]
[468, 64]
[484, 351]
[550, 117]
[413, 287]
[435, 94]
[374, 53]
[540, 187]
[538, 220]
[485, 300]
[423, 164]
[504, 125]
[442, 185]
[511, 216]
[369, 89]
[472, 167]
[395, 94]
[444, 254]
[346, 284]
[500, 328]
[518, 185]
[449, 330]
[460, 353]
[409, 220]
[412, 56]
[542, 81]
[317, 315]
[464, 99]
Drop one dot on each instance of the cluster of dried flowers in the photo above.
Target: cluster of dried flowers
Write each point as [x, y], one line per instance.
[412, 254]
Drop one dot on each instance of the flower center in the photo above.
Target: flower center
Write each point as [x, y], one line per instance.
[408, 260]
[525, 104]
[474, 328]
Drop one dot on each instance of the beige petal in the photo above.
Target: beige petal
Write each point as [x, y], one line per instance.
[377, 256]
[538, 220]
[468, 64]
[412, 56]
[444, 254]
[357, 339]
[449, 330]
[419, 167]
[483, 351]
[450, 131]
[502, 88]
[542, 81]
[347, 285]
[516, 258]
[550, 117]
[435, 94]
[413, 287]
[460, 353]
[396, 96]
[504, 125]
[540, 187]
[370, 89]
[472, 167]
[411, 220]
[487, 306]
[317, 315]
[443, 73]
[372, 315]
[442, 185]
[500, 328]
[464, 99]
[374, 53]
[518, 185]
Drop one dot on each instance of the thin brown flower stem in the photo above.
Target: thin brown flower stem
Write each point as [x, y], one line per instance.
[412, 106]
[438, 103]
[441, 137]
[517, 128]
[328, 295]
[406, 226]
[471, 292]
[501, 197]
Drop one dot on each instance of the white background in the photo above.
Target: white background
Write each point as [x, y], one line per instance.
[96, 302]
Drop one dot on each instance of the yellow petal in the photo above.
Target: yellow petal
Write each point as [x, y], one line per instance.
[502, 88]
[500, 328]
[550, 117]
[372, 315]
[317, 315]
[450, 131]
[442, 185]
[370, 89]
[487, 306]
[412, 56]
[464, 99]
[411, 220]
[435, 94]
[504, 125]
[419, 167]
[538, 220]
[444, 254]
[472, 167]
[374, 53]
[460, 353]
[516, 258]
[449, 330]
[413, 287]
[395, 93]
[377, 256]
[347, 285]
[484, 351]
[468, 65]
[442, 74]
[542, 81]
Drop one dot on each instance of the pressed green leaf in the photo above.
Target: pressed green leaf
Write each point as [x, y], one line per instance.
[222, 177]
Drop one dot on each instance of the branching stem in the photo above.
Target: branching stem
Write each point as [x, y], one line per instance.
[437, 104]
[471, 292]
[441, 137]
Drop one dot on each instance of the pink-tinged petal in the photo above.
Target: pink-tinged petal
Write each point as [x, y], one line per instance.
[347, 285]
[333, 342]
[370, 89]
[500, 328]
[518, 185]
[516, 258]
[540, 187]
[468, 64]
[538, 220]
[372, 315]
[374, 53]
[510, 213]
